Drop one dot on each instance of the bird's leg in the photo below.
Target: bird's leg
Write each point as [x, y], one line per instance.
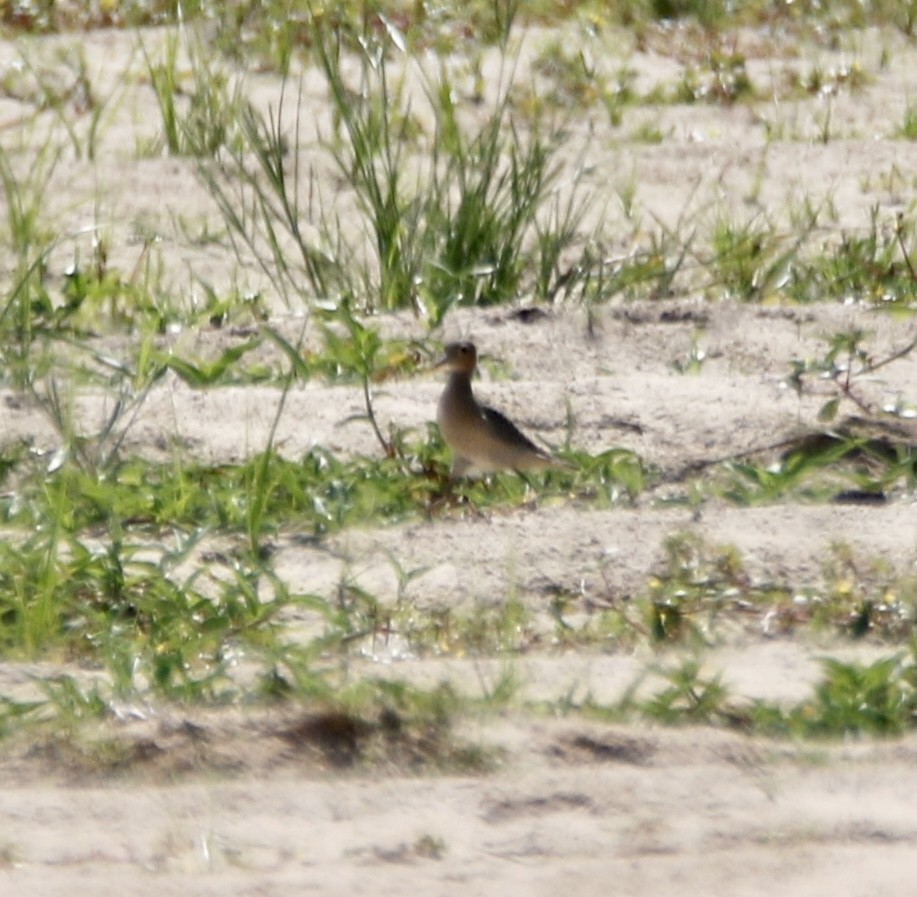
[449, 498]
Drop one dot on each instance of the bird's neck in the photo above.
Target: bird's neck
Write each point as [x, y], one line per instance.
[459, 384]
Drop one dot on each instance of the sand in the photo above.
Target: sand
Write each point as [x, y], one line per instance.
[217, 802]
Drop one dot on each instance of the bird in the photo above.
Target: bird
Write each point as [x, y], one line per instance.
[481, 438]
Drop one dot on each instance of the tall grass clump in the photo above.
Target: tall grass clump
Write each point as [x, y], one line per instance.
[26, 307]
[466, 212]
[199, 113]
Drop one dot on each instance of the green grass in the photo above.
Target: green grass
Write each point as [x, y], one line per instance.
[824, 467]
[909, 127]
[107, 561]
[121, 608]
[851, 699]
[273, 30]
[702, 596]
[197, 120]
[454, 217]
[316, 494]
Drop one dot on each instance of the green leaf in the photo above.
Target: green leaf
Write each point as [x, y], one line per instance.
[828, 411]
[209, 373]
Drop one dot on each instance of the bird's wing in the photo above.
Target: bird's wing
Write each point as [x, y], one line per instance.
[505, 430]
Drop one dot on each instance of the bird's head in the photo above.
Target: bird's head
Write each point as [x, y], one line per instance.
[460, 358]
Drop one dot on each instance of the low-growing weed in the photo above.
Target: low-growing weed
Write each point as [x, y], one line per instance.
[723, 79]
[318, 493]
[846, 361]
[877, 699]
[123, 607]
[687, 600]
[688, 697]
[576, 80]
[703, 592]
[851, 699]
[908, 128]
[875, 265]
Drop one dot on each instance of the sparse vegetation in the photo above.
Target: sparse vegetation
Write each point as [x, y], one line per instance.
[159, 575]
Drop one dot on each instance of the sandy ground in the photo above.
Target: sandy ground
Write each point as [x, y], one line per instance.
[581, 809]
[571, 806]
